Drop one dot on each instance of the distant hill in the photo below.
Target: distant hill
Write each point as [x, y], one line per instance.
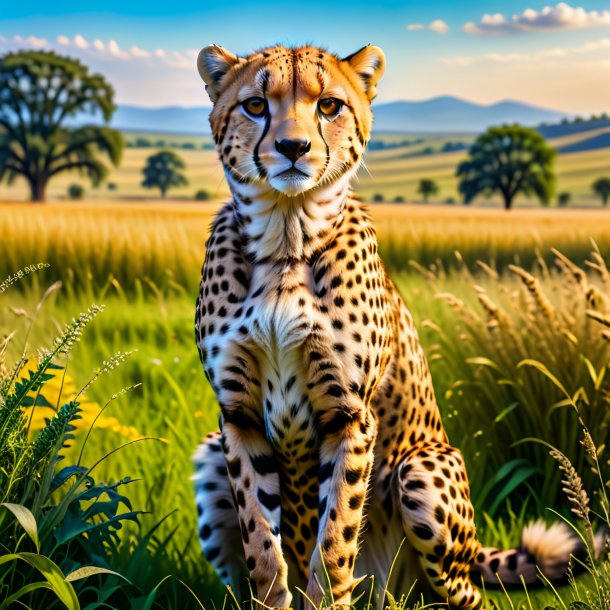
[570, 128]
[169, 119]
[600, 140]
[451, 114]
[437, 115]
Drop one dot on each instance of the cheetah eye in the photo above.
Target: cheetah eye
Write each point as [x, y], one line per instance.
[255, 106]
[330, 107]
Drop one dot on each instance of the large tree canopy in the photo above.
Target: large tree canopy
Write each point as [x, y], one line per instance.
[39, 90]
[510, 159]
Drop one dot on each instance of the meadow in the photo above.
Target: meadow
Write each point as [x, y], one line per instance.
[513, 355]
[394, 170]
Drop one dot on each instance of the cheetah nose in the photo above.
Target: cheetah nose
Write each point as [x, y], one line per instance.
[293, 149]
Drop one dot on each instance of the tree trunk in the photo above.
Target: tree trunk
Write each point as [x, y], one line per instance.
[508, 201]
[163, 191]
[37, 189]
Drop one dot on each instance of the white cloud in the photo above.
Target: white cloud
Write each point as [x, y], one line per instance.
[80, 42]
[556, 53]
[115, 50]
[562, 16]
[438, 26]
[137, 52]
[37, 43]
[32, 42]
[108, 50]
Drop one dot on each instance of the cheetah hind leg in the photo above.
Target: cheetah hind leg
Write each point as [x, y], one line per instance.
[218, 525]
[437, 517]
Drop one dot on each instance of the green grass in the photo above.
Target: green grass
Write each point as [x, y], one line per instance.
[175, 403]
[172, 403]
[143, 263]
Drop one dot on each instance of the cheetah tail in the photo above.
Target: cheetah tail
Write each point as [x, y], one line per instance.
[548, 547]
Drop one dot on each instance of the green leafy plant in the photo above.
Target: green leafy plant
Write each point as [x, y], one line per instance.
[60, 529]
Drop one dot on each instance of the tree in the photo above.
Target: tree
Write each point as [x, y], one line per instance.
[162, 171]
[427, 187]
[510, 159]
[601, 187]
[378, 198]
[563, 199]
[39, 91]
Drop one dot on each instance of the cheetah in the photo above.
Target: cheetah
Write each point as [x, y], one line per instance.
[331, 449]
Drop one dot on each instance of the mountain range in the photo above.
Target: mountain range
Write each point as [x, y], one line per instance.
[444, 114]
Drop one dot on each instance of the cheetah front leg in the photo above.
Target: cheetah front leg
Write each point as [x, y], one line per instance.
[254, 478]
[437, 515]
[346, 459]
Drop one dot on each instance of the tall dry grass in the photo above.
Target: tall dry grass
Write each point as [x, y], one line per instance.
[512, 359]
[163, 244]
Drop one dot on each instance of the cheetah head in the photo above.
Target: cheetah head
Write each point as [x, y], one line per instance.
[291, 119]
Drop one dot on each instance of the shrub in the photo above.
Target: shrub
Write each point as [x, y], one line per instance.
[51, 505]
[75, 192]
[378, 198]
[564, 198]
[112, 186]
[59, 527]
[202, 195]
[399, 199]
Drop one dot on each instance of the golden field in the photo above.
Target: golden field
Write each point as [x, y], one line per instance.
[164, 242]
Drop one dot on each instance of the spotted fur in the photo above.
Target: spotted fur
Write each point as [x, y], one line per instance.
[331, 447]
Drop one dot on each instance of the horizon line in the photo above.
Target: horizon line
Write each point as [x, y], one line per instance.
[383, 102]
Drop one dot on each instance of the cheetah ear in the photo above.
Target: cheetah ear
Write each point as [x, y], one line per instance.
[369, 64]
[213, 64]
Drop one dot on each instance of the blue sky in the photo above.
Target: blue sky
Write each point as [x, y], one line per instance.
[558, 56]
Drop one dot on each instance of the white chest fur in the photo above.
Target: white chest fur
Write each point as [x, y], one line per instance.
[279, 323]
[280, 316]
